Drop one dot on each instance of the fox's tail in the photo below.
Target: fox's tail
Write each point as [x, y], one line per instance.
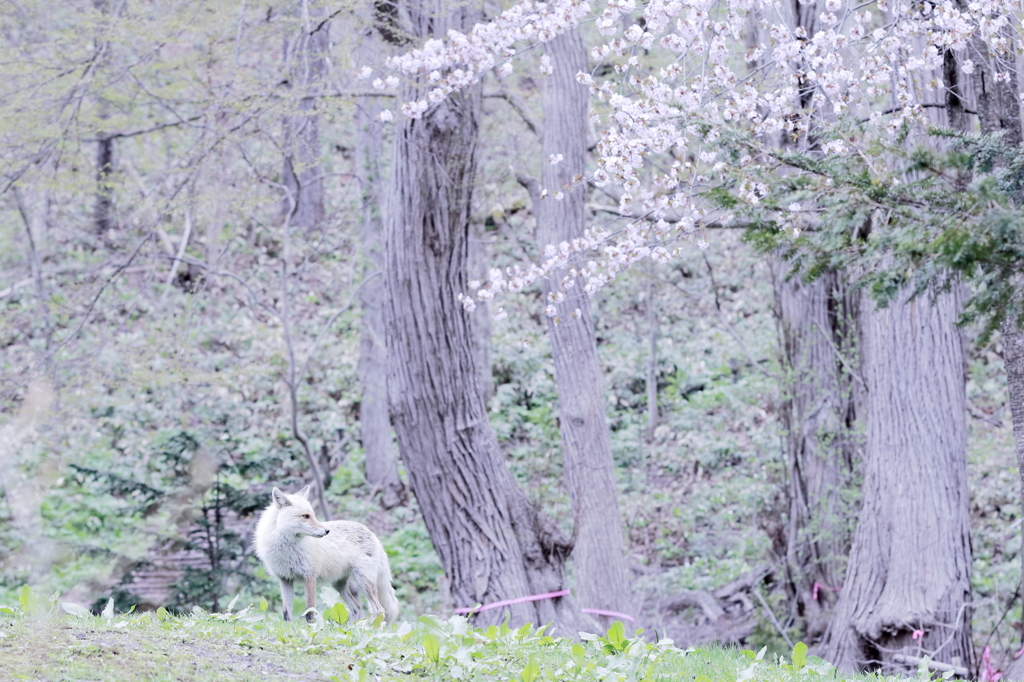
[387, 596]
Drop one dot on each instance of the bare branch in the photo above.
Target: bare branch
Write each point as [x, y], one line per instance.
[519, 106]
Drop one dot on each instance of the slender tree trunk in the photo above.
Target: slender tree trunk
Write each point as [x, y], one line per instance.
[306, 55]
[103, 206]
[602, 577]
[103, 212]
[910, 565]
[374, 420]
[819, 334]
[652, 356]
[34, 207]
[492, 544]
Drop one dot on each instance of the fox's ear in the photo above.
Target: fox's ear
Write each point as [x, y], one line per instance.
[279, 498]
[304, 493]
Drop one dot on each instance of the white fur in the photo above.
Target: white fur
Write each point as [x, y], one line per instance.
[292, 544]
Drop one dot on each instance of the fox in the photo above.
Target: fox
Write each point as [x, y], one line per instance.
[293, 545]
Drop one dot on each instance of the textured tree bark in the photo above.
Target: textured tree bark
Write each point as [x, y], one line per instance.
[381, 461]
[306, 55]
[999, 110]
[482, 319]
[492, 544]
[819, 334]
[1013, 359]
[602, 577]
[910, 565]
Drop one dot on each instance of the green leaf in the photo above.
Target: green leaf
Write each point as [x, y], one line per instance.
[799, 656]
[263, 604]
[924, 673]
[337, 613]
[530, 672]
[7, 610]
[232, 604]
[616, 633]
[28, 600]
[432, 646]
[432, 622]
[76, 610]
[161, 613]
[704, 678]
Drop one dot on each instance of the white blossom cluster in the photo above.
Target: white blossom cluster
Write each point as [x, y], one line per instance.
[586, 263]
[459, 61]
[736, 67]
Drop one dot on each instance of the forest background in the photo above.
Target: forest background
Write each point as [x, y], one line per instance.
[195, 294]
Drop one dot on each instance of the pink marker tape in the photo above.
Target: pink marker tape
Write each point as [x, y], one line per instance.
[822, 586]
[509, 602]
[610, 614]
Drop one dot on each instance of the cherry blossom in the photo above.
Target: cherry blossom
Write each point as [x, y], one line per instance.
[879, 67]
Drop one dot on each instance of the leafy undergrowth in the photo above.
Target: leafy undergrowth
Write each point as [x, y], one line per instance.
[62, 641]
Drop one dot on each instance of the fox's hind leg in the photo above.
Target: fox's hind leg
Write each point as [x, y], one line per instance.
[347, 591]
[371, 595]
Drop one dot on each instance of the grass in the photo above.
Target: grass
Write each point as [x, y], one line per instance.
[64, 642]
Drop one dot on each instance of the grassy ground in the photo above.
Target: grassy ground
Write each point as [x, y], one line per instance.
[39, 642]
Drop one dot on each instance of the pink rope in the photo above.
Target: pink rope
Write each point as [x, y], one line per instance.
[610, 614]
[508, 602]
[822, 586]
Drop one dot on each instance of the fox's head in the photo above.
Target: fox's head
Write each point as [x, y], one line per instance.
[295, 513]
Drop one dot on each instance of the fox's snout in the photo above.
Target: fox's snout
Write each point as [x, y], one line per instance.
[326, 531]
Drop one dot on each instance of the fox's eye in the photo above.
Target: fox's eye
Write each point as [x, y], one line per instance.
[305, 516]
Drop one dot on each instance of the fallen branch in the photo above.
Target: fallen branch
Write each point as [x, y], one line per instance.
[775, 621]
[935, 666]
[714, 603]
[693, 598]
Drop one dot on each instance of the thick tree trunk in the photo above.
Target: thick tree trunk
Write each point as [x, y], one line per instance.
[602, 578]
[492, 544]
[999, 110]
[374, 420]
[478, 266]
[819, 334]
[306, 55]
[1013, 359]
[910, 565]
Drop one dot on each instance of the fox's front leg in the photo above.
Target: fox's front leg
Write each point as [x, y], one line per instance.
[288, 597]
[310, 597]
